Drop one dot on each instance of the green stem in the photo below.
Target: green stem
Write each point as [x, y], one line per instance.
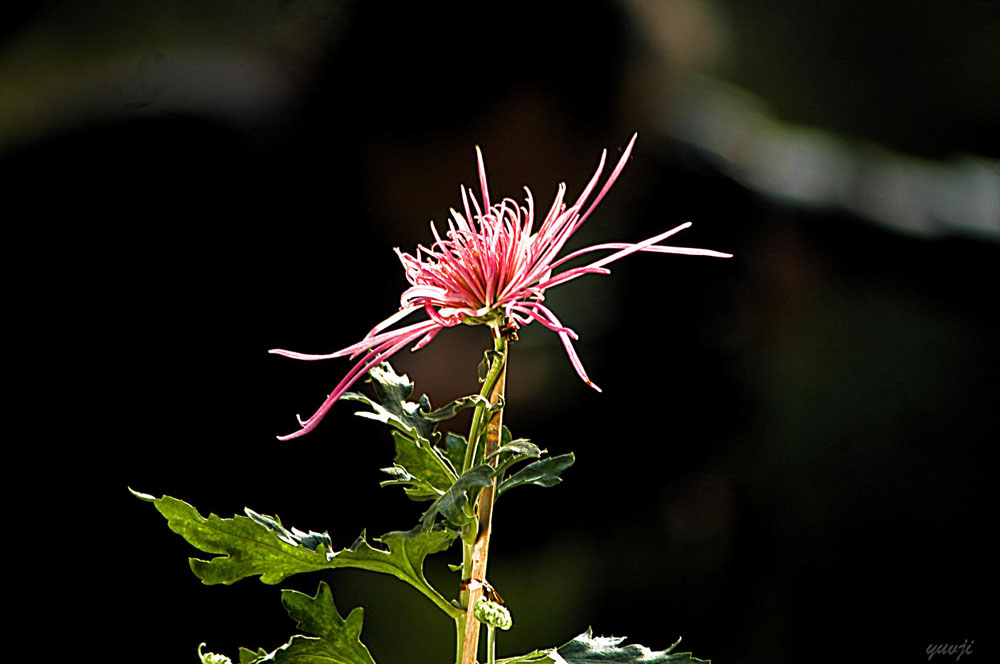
[478, 425]
[491, 644]
[459, 636]
[475, 539]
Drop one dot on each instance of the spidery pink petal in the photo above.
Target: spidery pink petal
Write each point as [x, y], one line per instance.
[490, 267]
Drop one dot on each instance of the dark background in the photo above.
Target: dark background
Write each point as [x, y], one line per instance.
[790, 461]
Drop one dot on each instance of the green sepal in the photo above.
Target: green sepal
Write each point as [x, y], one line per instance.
[250, 547]
[491, 317]
[454, 506]
[544, 472]
[335, 639]
[590, 649]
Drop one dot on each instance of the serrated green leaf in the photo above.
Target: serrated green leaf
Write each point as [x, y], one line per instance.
[415, 488]
[590, 649]
[337, 640]
[310, 540]
[430, 469]
[512, 452]
[455, 407]
[521, 447]
[248, 547]
[403, 559]
[540, 473]
[391, 406]
[398, 474]
[453, 507]
[248, 656]
[455, 446]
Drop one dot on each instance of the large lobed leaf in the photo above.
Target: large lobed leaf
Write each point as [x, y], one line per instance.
[337, 640]
[403, 558]
[246, 547]
[259, 545]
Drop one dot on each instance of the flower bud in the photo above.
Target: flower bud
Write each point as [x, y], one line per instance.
[492, 614]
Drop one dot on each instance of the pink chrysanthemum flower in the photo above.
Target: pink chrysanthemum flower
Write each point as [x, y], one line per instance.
[491, 267]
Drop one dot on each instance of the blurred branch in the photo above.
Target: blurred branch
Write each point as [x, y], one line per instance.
[818, 169]
[76, 65]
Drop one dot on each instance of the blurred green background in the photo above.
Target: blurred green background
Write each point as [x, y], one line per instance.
[790, 461]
